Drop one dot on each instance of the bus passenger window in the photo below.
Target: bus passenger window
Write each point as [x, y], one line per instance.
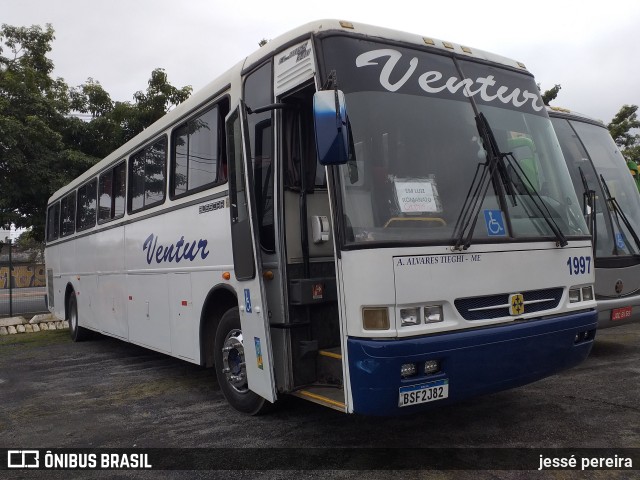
[86, 206]
[105, 196]
[119, 190]
[111, 193]
[196, 153]
[147, 174]
[53, 222]
[68, 215]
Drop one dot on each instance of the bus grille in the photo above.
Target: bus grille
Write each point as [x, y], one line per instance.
[496, 306]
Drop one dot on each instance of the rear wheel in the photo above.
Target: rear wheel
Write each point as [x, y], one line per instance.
[230, 366]
[78, 333]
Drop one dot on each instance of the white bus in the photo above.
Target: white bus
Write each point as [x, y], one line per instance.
[335, 218]
[611, 205]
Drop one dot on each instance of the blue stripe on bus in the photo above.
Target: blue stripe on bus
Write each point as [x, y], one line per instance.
[475, 361]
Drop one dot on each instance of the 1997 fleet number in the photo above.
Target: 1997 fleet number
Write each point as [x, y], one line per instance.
[579, 265]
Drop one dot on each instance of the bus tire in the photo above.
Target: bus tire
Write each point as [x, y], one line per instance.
[229, 364]
[78, 333]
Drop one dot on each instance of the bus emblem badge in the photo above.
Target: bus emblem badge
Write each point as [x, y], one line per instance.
[517, 304]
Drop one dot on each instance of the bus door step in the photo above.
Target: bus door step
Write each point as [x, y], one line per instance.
[329, 366]
[326, 396]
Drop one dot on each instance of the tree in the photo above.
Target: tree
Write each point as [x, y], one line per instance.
[102, 133]
[43, 144]
[549, 95]
[622, 128]
[160, 97]
[34, 160]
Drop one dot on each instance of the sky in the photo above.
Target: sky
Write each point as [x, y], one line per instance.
[590, 48]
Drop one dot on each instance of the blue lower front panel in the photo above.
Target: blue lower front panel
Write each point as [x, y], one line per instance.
[472, 362]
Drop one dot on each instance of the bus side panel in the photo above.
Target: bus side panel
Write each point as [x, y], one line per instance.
[172, 260]
[147, 293]
[111, 315]
[87, 282]
[182, 318]
[148, 311]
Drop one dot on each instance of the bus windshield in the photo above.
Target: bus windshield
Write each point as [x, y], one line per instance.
[583, 143]
[417, 149]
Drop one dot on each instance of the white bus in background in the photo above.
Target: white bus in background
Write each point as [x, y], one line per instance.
[611, 204]
[335, 218]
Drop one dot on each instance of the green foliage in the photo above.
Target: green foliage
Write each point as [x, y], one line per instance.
[29, 248]
[43, 145]
[32, 117]
[632, 153]
[160, 97]
[26, 239]
[622, 128]
[549, 95]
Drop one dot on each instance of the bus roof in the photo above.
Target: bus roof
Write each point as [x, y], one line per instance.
[224, 82]
[569, 114]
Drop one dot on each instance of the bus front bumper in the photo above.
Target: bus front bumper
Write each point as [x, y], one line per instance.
[472, 362]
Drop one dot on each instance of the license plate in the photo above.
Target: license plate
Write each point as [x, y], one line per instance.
[620, 313]
[423, 393]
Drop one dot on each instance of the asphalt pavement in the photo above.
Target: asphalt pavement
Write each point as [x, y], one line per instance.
[104, 393]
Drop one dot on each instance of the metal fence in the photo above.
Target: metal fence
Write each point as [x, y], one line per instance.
[22, 280]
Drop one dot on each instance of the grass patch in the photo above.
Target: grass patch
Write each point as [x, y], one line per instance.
[35, 339]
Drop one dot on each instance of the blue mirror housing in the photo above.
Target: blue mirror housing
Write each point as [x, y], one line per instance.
[332, 127]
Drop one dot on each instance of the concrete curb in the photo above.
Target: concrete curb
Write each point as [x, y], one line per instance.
[17, 325]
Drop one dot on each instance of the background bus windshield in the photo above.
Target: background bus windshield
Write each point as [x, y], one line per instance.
[592, 157]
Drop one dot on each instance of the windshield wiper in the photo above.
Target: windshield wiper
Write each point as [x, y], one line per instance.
[530, 190]
[617, 209]
[466, 223]
[540, 204]
[496, 162]
[589, 208]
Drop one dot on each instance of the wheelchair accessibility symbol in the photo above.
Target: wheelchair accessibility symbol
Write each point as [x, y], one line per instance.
[247, 300]
[620, 243]
[495, 223]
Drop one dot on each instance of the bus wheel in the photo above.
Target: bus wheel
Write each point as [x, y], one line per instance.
[77, 332]
[230, 366]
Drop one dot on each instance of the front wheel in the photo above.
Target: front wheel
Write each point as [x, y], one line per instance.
[230, 366]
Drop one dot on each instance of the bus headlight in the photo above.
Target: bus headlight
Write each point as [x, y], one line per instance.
[433, 314]
[410, 316]
[375, 318]
[581, 294]
[574, 295]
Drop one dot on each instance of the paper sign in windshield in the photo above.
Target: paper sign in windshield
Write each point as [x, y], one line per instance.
[416, 197]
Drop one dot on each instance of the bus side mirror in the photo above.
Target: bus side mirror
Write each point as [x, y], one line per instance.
[332, 127]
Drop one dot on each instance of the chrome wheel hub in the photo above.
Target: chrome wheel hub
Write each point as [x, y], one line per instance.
[233, 364]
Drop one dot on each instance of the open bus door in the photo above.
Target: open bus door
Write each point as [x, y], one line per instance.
[254, 318]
